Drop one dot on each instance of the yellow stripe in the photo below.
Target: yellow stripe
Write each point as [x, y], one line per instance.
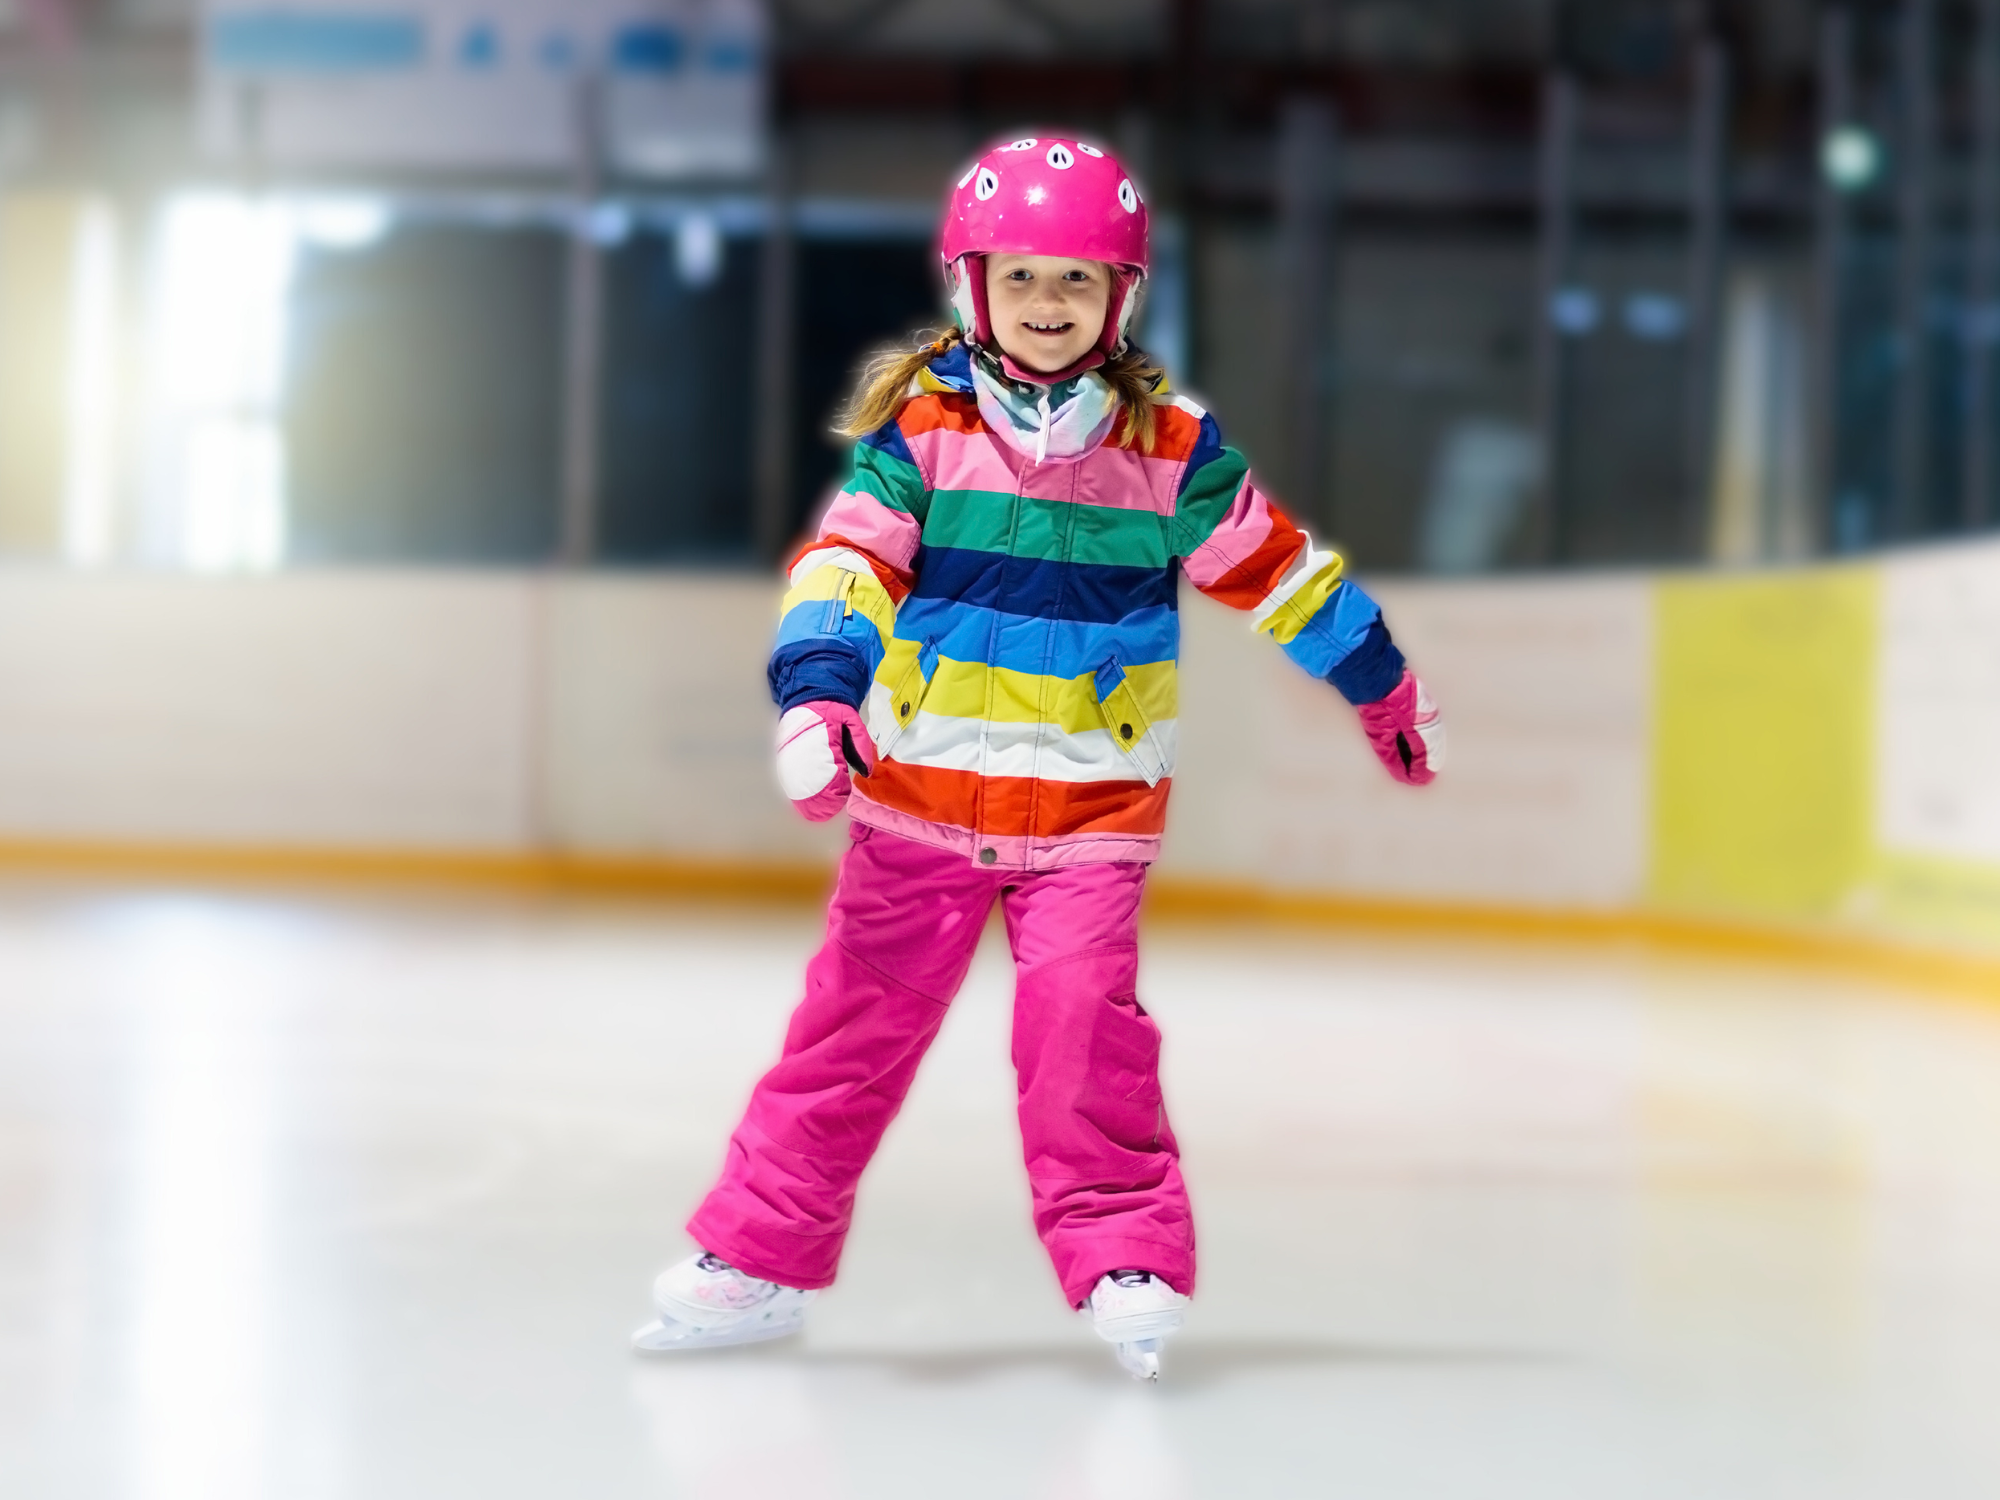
[1181, 900]
[863, 591]
[898, 656]
[973, 690]
[1296, 612]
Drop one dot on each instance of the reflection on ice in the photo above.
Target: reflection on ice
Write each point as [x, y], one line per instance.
[731, 1428]
[201, 1136]
[363, 1207]
[1127, 1452]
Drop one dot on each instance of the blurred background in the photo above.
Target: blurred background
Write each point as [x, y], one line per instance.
[404, 408]
[402, 412]
[1480, 285]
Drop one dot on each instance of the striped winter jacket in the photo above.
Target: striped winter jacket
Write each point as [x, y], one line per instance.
[1009, 629]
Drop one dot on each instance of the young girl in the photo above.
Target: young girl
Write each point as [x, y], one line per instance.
[977, 660]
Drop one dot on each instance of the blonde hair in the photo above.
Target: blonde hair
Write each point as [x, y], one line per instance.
[885, 385]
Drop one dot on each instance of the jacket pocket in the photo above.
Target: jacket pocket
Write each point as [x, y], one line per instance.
[899, 710]
[1131, 730]
[839, 605]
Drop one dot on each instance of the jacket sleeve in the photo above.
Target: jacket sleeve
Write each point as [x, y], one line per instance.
[846, 585]
[1238, 547]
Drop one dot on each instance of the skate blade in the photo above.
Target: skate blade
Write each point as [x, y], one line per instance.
[1140, 1328]
[1141, 1360]
[664, 1336]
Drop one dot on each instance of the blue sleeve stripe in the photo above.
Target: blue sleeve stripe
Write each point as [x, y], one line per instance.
[825, 669]
[889, 439]
[1370, 672]
[1334, 631]
[1207, 448]
[807, 622]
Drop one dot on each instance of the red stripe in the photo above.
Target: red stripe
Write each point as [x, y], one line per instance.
[897, 582]
[1175, 432]
[1250, 582]
[1020, 806]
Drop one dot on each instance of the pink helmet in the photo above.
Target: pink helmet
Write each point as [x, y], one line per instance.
[1044, 195]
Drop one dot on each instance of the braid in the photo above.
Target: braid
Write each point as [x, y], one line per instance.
[1133, 378]
[885, 382]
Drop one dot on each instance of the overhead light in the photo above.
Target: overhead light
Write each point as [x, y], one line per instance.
[608, 224]
[1575, 310]
[1851, 158]
[1654, 316]
[225, 290]
[343, 223]
[698, 249]
[93, 384]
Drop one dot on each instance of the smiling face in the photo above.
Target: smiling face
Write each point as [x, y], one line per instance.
[1047, 311]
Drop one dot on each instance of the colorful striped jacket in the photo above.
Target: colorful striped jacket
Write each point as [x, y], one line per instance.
[1009, 629]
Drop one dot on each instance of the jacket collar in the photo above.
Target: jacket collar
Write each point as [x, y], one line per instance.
[953, 369]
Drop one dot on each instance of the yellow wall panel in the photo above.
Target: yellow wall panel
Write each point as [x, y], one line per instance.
[1763, 741]
[37, 257]
[1935, 897]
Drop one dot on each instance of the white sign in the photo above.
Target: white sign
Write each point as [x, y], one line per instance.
[667, 88]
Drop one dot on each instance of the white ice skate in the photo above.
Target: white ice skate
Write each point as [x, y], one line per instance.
[706, 1303]
[1134, 1311]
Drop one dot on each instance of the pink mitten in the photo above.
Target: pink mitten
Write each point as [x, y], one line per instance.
[814, 745]
[1406, 734]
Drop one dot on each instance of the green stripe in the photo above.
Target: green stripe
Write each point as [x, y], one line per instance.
[896, 482]
[1049, 530]
[1206, 497]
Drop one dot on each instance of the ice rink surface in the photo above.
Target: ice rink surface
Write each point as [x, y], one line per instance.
[309, 1198]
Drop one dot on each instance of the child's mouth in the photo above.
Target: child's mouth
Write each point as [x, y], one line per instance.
[1049, 330]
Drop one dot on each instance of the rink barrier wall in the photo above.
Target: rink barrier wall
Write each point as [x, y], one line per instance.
[1168, 900]
[1806, 754]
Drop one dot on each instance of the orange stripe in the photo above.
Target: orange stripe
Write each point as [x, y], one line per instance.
[1175, 432]
[929, 412]
[1020, 806]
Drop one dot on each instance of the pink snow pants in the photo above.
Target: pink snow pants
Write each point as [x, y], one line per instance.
[1102, 1163]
